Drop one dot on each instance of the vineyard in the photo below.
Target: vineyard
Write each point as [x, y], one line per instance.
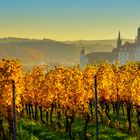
[57, 98]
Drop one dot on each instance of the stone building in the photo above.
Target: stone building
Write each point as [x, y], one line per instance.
[122, 53]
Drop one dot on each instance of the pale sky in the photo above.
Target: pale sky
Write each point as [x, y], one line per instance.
[69, 19]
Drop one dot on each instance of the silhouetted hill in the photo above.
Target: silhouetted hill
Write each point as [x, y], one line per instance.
[32, 51]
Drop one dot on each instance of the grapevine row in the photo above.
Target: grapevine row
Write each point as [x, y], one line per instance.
[69, 91]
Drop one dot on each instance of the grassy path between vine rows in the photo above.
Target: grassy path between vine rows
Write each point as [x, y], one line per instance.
[35, 130]
[31, 130]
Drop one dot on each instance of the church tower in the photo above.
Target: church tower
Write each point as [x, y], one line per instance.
[138, 37]
[121, 53]
[119, 41]
[82, 58]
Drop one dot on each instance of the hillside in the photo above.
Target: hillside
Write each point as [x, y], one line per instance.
[32, 51]
[37, 51]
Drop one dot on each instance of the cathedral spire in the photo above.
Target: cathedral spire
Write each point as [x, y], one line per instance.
[82, 58]
[119, 35]
[83, 50]
[119, 41]
[138, 37]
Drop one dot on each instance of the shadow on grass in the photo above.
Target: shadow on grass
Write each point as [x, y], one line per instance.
[30, 130]
[43, 132]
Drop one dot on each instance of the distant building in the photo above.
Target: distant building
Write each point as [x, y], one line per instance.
[122, 53]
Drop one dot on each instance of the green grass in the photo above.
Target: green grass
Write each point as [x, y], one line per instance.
[37, 131]
[32, 130]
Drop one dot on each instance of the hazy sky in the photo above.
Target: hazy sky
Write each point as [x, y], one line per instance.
[69, 19]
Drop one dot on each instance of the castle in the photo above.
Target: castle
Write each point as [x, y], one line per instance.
[122, 53]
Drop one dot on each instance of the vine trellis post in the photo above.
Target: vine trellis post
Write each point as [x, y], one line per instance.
[96, 105]
[14, 110]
